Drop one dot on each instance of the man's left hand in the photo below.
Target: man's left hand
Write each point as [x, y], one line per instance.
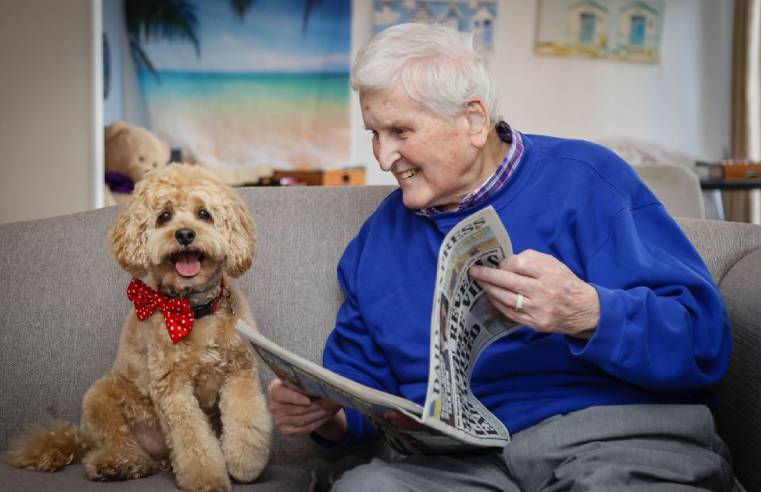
[553, 300]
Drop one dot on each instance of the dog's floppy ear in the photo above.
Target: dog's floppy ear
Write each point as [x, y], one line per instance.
[128, 237]
[241, 233]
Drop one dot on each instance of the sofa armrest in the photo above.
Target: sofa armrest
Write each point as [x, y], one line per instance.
[739, 416]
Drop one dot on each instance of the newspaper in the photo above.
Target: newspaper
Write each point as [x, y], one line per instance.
[463, 324]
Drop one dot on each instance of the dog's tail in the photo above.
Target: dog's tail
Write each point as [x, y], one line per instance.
[47, 448]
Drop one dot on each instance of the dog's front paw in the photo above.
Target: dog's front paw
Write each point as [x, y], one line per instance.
[247, 468]
[202, 479]
[118, 463]
[246, 454]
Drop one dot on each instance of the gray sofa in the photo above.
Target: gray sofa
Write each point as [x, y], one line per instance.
[62, 302]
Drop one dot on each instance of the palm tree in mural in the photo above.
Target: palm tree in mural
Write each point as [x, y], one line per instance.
[176, 19]
[159, 19]
[240, 7]
[308, 6]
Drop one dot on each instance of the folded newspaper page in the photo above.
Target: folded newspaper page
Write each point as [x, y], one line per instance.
[463, 324]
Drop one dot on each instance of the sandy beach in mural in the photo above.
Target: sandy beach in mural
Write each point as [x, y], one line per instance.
[249, 120]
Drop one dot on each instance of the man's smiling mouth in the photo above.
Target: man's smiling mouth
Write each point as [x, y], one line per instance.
[407, 174]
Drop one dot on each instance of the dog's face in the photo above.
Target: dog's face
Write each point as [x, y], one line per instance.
[184, 227]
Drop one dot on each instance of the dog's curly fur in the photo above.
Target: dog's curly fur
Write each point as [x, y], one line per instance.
[197, 405]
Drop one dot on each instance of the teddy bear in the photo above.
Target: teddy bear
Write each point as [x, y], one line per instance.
[130, 152]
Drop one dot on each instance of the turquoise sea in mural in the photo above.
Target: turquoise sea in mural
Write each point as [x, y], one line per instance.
[246, 88]
[253, 119]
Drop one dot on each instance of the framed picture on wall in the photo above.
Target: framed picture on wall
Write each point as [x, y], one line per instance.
[623, 30]
[478, 17]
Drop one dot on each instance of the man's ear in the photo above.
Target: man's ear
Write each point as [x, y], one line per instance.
[478, 121]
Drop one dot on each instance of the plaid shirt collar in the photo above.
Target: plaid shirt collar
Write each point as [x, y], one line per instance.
[496, 181]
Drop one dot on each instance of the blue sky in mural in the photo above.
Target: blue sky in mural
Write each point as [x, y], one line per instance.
[269, 39]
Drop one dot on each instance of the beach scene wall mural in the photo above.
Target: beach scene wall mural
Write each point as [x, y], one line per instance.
[251, 84]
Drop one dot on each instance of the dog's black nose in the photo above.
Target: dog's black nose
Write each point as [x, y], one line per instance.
[185, 236]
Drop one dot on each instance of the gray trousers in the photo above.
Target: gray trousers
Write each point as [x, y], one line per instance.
[607, 448]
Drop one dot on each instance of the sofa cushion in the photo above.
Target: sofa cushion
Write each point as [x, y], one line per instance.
[721, 244]
[740, 391]
[63, 304]
[72, 479]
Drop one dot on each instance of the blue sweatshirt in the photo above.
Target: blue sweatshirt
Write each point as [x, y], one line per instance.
[663, 334]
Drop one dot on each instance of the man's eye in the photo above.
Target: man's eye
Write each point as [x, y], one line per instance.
[204, 214]
[399, 132]
[164, 217]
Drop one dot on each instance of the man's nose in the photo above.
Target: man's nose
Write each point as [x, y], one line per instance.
[388, 154]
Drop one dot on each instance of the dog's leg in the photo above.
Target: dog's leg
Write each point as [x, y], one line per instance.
[246, 425]
[115, 454]
[144, 424]
[197, 458]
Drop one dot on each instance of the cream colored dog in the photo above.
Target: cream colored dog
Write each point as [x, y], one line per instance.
[189, 399]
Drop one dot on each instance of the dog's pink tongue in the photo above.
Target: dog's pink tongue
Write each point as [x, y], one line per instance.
[188, 267]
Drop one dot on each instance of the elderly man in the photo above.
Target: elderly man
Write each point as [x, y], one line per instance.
[607, 384]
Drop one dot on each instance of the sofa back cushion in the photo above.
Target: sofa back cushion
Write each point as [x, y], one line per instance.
[62, 305]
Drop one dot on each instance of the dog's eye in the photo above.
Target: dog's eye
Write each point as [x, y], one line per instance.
[140, 158]
[164, 217]
[204, 214]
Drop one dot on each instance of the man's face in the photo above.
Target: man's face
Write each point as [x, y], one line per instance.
[432, 157]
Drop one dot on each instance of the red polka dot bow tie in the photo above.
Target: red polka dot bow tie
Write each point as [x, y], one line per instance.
[179, 314]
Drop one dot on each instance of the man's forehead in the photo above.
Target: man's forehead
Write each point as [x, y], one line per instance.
[394, 121]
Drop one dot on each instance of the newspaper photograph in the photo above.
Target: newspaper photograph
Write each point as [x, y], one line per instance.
[463, 324]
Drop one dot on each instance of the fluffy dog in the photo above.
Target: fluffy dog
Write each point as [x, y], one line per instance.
[182, 392]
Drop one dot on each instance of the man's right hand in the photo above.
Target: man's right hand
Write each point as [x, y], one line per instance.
[297, 414]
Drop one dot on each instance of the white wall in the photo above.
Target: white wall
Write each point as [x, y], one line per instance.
[49, 132]
[682, 103]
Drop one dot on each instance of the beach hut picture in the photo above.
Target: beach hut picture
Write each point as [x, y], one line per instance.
[482, 26]
[423, 14]
[476, 16]
[614, 29]
[453, 17]
[638, 30]
[385, 15]
[587, 21]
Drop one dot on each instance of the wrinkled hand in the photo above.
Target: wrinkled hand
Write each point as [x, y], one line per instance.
[296, 414]
[555, 299]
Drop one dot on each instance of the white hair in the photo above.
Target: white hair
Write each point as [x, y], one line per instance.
[437, 66]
